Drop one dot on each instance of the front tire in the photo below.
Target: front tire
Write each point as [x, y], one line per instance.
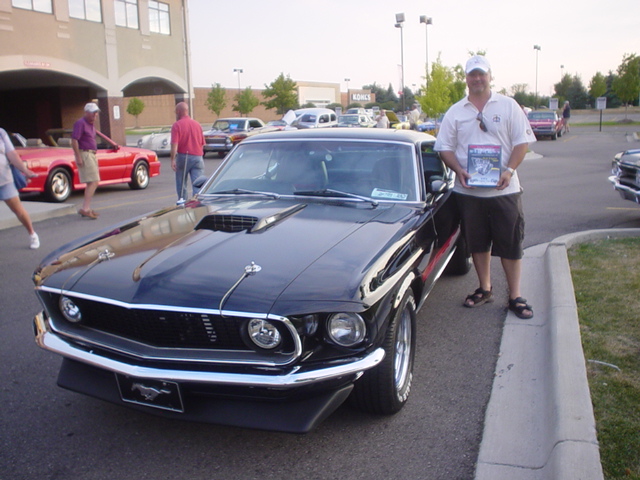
[385, 389]
[461, 261]
[58, 186]
[139, 176]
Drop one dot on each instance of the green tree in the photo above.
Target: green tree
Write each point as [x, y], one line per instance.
[246, 101]
[562, 88]
[627, 84]
[597, 86]
[438, 96]
[281, 94]
[577, 93]
[135, 107]
[216, 99]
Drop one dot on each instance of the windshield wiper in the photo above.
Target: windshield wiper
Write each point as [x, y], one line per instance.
[242, 191]
[329, 192]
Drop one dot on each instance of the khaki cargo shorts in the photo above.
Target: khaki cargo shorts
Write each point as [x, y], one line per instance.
[89, 170]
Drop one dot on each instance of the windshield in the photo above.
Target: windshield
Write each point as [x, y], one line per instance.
[541, 116]
[349, 119]
[230, 125]
[376, 170]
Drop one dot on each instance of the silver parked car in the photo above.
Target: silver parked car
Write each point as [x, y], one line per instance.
[159, 142]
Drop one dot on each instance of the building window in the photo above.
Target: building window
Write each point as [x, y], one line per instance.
[35, 5]
[159, 18]
[126, 13]
[85, 10]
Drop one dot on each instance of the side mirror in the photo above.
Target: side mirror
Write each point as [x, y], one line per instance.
[437, 186]
[200, 181]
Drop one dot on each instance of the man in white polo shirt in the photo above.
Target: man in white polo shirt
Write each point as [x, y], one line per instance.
[483, 139]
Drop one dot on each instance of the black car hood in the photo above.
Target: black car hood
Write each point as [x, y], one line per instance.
[193, 256]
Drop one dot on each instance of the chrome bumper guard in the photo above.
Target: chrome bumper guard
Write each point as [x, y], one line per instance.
[626, 192]
[297, 378]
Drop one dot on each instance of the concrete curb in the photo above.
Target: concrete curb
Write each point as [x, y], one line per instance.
[539, 423]
[37, 211]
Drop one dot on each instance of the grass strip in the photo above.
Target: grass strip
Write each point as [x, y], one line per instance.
[606, 279]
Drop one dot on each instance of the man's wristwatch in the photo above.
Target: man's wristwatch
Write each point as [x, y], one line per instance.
[511, 170]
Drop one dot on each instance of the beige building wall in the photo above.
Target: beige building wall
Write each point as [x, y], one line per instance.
[52, 64]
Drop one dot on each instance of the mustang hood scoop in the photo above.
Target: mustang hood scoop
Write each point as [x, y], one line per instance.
[237, 223]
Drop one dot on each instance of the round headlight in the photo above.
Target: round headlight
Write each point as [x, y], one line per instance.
[264, 333]
[140, 143]
[346, 329]
[70, 310]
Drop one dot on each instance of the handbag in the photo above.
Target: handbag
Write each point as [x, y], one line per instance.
[19, 180]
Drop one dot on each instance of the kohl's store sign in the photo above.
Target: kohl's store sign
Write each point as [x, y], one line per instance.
[360, 97]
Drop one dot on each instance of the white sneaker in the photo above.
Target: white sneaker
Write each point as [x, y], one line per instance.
[34, 241]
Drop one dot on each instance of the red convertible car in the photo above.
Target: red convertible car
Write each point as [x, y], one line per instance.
[57, 172]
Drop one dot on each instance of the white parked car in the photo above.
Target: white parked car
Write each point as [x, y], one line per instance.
[159, 142]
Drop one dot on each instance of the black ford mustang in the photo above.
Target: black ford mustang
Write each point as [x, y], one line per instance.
[288, 284]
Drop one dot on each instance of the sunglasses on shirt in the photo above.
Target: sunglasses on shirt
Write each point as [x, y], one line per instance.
[480, 118]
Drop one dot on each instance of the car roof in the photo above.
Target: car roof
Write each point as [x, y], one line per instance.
[369, 134]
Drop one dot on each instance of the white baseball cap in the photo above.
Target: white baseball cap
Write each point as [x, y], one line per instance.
[477, 62]
[91, 107]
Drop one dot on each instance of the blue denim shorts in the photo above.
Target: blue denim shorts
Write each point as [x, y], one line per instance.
[8, 191]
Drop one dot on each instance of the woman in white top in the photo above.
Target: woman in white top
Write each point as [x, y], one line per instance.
[8, 191]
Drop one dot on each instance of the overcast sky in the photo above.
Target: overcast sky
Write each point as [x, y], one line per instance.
[330, 40]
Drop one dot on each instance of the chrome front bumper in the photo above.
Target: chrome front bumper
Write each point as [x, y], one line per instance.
[298, 377]
[627, 193]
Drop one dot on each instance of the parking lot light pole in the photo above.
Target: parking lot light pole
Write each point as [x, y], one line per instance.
[400, 24]
[427, 21]
[537, 49]
[238, 71]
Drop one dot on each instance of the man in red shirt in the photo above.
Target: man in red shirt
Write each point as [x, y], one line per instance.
[187, 142]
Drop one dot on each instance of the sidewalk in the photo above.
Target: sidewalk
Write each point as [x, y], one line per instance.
[539, 423]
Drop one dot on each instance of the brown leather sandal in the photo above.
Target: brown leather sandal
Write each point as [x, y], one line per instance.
[479, 297]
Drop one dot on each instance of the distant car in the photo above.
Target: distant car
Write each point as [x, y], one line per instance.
[315, 118]
[545, 124]
[625, 174]
[428, 126]
[227, 132]
[277, 124]
[289, 283]
[57, 172]
[398, 121]
[159, 142]
[355, 120]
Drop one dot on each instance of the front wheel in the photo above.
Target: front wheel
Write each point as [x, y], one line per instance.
[385, 388]
[139, 176]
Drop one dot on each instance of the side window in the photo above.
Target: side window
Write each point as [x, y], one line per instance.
[323, 119]
[432, 166]
[333, 117]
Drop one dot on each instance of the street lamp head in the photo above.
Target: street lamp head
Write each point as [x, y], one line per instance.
[237, 70]
[399, 18]
[537, 47]
[398, 25]
[426, 20]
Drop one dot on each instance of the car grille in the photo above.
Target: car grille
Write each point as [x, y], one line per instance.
[627, 175]
[166, 329]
